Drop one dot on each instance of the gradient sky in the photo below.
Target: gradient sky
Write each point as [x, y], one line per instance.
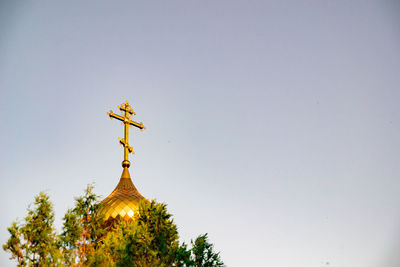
[271, 125]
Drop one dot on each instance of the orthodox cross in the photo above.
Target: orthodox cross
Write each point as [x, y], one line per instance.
[126, 120]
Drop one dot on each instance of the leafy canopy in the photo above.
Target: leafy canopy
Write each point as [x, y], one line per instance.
[151, 239]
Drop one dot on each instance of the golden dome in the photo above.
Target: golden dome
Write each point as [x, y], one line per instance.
[123, 202]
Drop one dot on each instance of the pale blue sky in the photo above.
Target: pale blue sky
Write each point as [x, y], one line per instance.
[271, 125]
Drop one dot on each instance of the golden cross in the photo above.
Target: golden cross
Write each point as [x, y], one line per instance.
[126, 120]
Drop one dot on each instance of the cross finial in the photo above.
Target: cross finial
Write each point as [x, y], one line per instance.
[126, 114]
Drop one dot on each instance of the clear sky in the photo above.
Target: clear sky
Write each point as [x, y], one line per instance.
[271, 125]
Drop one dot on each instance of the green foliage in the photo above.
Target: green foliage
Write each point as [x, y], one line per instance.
[151, 239]
[35, 242]
[204, 254]
[156, 222]
[82, 228]
[14, 245]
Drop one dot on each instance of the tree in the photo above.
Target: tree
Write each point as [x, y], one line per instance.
[35, 242]
[14, 245]
[203, 253]
[82, 228]
[151, 239]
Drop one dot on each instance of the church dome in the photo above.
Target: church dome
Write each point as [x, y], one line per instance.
[123, 202]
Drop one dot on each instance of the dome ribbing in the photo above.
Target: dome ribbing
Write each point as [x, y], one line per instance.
[123, 202]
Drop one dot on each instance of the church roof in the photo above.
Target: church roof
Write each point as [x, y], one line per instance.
[123, 202]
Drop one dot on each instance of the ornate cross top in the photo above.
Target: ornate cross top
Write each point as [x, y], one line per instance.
[126, 120]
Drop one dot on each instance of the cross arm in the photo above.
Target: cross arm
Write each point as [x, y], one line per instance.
[136, 124]
[126, 120]
[115, 116]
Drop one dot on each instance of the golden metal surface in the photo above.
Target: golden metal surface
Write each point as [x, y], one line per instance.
[124, 200]
[126, 120]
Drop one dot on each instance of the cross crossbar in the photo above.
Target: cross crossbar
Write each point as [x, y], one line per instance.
[125, 118]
